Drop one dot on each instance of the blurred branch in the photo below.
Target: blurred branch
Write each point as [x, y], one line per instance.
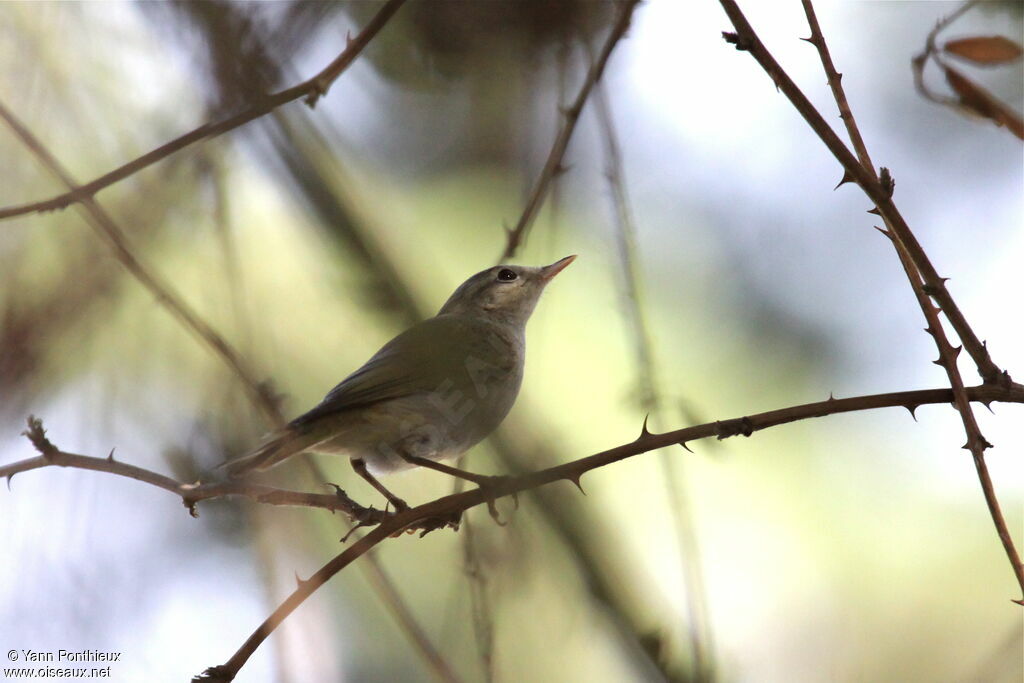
[258, 392]
[651, 399]
[976, 443]
[452, 506]
[553, 167]
[312, 89]
[745, 39]
[971, 97]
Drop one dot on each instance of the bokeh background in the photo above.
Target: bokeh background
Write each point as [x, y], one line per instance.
[851, 548]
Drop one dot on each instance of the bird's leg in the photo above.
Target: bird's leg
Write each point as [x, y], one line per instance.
[359, 465]
[481, 480]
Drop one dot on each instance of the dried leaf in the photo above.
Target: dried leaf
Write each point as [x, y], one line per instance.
[985, 50]
[979, 101]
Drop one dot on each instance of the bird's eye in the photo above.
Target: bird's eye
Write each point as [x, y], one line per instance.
[506, 275]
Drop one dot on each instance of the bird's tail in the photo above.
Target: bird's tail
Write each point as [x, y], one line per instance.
[281, 444]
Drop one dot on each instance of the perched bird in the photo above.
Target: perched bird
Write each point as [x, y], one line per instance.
[429, 394]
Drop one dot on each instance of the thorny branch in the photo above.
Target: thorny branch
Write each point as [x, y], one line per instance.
[454, 505]
[259, 393]
[312, 89]
[553, 166]
[447, 510]
[902, 238]
[745, 39]
[976, 443]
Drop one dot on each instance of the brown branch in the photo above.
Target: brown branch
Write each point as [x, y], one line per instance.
[835, 82]
[387, 592]
[553, 166]
[447, 510]
[190, 494]
[970, 98]
[745, 39]
[116, 240]
[976, 443]
[930, 50]
[312, 89]
[454, 505]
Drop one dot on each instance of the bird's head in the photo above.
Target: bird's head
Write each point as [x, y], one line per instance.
[504, 293]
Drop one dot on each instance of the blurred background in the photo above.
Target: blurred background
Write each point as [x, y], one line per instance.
[850, 548]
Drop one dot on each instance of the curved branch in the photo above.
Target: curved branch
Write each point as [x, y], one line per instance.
[553, 167]
[190, 494]
[976, 443]
[747, 40]
[454, 505]
[312, 89]
[446, 511]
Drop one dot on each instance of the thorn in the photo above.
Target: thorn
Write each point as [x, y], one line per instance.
[576, 482]
[938, 362]
[298, 581]
[847, 178]
[809, 40]
[1019, 602]
[685, 447]
[110, 456]
[912, 407]
[875, 211]
[883, 231]
[562, 169]
[348, 39]
[191, 505]
[929, 330]
[839, 77]
[8, 478]
[956, 351]
[987, 404]
[831, 397]
[644, 432]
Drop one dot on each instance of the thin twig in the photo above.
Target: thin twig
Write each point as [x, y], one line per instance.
[110, 232]
[651, 399]
[190, 494]
[835, 82]
[931, 50]
[312, 89]
[454, 505]
[553, 165]
[746, 39]
[976, 443]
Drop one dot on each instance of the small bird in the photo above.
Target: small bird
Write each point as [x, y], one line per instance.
[429, 394]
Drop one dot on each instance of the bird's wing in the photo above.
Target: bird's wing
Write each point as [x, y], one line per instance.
[418, 360]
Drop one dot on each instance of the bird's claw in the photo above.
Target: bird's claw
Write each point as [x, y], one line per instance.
[495, 482]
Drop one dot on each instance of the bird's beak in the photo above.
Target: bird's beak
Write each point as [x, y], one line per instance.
[548, 272]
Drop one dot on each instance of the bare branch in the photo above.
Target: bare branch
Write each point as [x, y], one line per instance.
[976, 443]
[259, 393]
[190, 494]
[454, 505]
[312, 89]
[553, 166]
[745, 39]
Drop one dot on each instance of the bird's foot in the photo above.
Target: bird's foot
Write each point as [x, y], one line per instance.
[490, 484]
